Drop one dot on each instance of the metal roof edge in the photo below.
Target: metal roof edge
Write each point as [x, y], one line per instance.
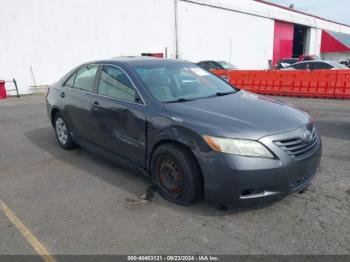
[270, 10]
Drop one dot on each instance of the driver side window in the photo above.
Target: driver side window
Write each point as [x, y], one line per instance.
[115, 83]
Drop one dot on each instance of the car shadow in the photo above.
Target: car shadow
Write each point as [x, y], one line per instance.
[115, 175]
[333, 129]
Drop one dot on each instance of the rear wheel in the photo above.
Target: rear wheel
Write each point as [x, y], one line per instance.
[62, 132]
[176, 174]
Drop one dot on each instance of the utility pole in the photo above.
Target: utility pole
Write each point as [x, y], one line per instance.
[176, 30]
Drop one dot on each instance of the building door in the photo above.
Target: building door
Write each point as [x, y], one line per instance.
[300, 44]
[283, 41]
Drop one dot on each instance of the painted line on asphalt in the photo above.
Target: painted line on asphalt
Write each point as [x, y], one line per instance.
[27, 234]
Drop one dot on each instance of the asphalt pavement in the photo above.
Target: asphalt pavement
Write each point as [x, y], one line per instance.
[73, 202]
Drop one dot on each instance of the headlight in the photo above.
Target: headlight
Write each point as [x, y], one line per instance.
[241, 147]
[308, 115]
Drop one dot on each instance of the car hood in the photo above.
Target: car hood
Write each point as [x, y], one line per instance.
[240, 115]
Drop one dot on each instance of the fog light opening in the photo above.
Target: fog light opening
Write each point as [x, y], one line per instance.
[250, 192]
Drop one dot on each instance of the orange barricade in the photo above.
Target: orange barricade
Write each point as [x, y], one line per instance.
[342, 85]
[318, 83]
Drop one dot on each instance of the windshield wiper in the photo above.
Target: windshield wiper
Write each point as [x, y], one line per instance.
[224, 93]
[179, 100]
[182, 99]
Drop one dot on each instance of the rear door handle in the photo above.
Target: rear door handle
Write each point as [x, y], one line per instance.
[63, 94]
[95, 106]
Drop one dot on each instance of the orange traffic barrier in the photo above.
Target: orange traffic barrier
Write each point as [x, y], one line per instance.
[318, 83]
[342, 85]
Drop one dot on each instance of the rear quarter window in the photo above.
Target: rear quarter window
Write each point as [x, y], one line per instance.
[70, 81]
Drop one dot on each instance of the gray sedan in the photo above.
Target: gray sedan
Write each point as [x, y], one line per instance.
[192, 133]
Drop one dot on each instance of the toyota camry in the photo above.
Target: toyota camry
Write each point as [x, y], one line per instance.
[192, 133]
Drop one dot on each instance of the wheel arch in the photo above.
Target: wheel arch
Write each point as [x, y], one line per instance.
[54, 111]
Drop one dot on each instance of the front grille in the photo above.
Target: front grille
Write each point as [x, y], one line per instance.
[298, 148]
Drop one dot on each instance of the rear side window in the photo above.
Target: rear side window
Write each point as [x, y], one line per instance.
[70, 81]
[319, 65]
[85, 78]
[115, 83]
[301, 66]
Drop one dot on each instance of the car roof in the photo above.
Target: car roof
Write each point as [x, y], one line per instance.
[138, 60]
[314, 61]
[206, 61]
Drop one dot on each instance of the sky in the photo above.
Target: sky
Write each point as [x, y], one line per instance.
[336, 10]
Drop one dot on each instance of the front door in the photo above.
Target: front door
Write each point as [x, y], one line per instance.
[119, 115]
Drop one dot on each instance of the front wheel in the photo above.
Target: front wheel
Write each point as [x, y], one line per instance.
[176, 174]
[62, 132]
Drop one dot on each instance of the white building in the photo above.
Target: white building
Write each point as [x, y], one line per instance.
[43, 39]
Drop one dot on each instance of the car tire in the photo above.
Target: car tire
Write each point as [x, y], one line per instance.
[176, 174]
[62, 132]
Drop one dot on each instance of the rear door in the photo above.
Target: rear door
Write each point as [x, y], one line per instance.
[119, 115]
[77, 93]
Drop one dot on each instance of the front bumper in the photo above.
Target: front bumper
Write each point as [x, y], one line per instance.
[231, 180]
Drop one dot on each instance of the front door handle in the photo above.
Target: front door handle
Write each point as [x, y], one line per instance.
[63, 94]
[96, 103]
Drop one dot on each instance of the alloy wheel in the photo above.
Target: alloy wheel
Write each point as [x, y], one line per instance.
[61, 131]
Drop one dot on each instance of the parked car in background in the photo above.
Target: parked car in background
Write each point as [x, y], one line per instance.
[315, 65]
[283, 63]
[188, 130]
[216, 65]
[346, 63]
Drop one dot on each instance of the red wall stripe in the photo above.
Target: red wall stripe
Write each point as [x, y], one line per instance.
[330, 44]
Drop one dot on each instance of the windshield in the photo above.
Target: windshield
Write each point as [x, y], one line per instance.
[178, 82]
[226, 65]
[338, 65]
